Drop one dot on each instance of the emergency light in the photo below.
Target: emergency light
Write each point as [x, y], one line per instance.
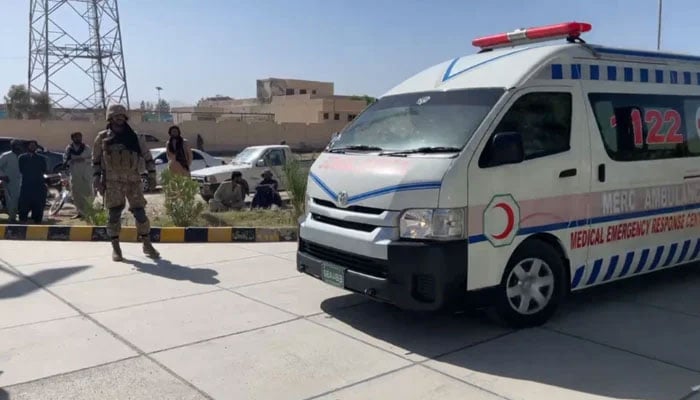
[568, 30]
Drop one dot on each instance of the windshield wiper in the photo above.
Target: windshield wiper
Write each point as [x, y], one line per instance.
[359, 147]
[425, 150]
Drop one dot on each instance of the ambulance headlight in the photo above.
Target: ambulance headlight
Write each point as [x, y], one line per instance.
[436, 224]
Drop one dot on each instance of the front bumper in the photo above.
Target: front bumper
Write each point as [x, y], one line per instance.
[420, 276]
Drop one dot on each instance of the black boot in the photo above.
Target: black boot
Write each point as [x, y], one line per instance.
[148, 248]
[116, 251]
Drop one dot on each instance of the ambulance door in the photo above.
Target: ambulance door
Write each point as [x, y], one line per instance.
[637, 206]
[543, 194]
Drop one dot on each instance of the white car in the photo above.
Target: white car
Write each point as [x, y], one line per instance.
[200, 160]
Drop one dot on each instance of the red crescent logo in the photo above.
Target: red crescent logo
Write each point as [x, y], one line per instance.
[511, 221]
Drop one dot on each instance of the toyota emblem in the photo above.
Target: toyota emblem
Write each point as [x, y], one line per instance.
[343, 198]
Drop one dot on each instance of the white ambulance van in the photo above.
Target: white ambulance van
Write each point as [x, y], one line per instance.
[517, 174]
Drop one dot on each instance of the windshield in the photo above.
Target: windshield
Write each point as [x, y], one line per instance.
[247, 156]
[419, 120]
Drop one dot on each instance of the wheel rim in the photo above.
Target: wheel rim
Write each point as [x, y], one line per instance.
[530, 286]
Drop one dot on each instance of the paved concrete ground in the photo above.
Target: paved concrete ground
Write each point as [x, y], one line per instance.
[231, 321]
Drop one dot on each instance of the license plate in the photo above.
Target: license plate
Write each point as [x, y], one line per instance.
[334, 275]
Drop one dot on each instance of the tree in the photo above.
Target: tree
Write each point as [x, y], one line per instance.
[18, 102]
[368, 99]
[162, 106]
[41, 105]
[146, 106]
[21, 104]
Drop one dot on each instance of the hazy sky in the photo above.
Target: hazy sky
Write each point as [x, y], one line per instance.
[364, 46]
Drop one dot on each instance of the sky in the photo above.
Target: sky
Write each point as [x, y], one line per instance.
[195, 48]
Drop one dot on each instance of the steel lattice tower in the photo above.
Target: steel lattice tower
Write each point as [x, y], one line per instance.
[75, 53]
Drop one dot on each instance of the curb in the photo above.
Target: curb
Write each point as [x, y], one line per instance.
[75, 233]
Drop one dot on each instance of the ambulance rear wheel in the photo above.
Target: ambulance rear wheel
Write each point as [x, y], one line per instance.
[532, 287]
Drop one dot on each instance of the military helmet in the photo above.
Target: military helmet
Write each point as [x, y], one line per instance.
[116, 109]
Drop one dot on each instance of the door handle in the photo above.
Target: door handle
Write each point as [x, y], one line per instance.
[601, 172]
[567, 173]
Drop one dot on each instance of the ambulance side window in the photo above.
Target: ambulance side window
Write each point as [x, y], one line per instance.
[543, 120]
[637, 127]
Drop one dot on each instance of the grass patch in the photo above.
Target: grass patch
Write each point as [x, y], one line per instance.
[248, 218]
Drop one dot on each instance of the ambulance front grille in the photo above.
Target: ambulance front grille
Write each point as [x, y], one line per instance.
[357, 226]
[357, 209]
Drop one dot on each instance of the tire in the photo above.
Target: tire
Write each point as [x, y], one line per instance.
[146, 185]
[519, 284]
[57, 204]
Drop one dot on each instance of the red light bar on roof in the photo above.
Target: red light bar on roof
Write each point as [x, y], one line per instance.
[537, 34]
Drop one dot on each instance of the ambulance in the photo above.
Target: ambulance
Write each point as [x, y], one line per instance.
[538, 166]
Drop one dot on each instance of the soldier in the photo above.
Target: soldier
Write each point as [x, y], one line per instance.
[116, 158]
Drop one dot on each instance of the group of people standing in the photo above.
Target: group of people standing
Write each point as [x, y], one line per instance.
[111, 168]
[22, 174]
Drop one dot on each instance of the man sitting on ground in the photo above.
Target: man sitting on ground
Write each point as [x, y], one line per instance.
[230, 195]
[266, 193]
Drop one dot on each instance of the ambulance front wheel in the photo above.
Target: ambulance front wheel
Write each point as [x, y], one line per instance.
[533, 285]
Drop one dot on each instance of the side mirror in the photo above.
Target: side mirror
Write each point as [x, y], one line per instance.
[507, 148]
[158, 161]
[260, 163]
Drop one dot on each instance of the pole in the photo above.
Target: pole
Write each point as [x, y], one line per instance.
[658, 34]
[160, 116]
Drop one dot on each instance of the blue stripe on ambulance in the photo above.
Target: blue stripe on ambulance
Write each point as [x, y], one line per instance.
[588, 275]
[480, 237]
[404, 187]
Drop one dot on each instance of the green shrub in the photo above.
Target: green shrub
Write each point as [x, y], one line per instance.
[181, 203]
[296, 178]
[95, 215]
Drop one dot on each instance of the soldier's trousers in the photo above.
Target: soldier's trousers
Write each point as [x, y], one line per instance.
[116, 196]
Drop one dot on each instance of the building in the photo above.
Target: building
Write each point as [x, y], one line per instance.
[286, 100]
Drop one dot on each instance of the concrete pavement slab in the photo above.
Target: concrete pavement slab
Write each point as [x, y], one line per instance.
[191, 254]
[36, 351]
[253, 270]
[294, 360]
[272, 248]
[20, 253]
[540, 364]
[649, 331]
[176, 322]
[23, 302]
[414, 383]
[411, 335]
[94, 268]
[677, 290]
[302, 296]
[159, 283]
[291, 256]
[136, 378]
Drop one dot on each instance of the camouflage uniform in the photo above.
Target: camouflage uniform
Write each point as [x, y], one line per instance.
[118, 168]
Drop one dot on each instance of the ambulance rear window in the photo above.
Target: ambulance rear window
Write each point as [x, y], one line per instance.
[637, 127]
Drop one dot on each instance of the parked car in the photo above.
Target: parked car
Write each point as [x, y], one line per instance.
[251, 162]
[54, 160]
[200, 160]
[152, 142]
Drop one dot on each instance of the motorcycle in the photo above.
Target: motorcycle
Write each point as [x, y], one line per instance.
[64, 194]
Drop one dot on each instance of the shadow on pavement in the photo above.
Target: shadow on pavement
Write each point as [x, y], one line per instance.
[166, 269]
[22, 285]
[3, 394]
[522, 363]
